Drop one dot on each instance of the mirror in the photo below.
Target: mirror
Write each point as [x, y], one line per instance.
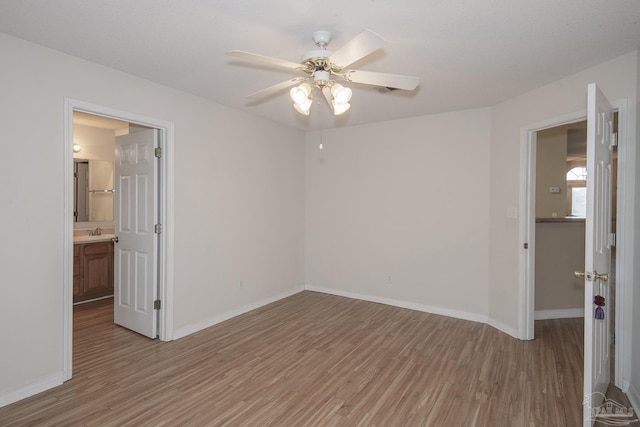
[93, 190]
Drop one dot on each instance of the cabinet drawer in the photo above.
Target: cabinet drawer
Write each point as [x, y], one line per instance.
[97, 248]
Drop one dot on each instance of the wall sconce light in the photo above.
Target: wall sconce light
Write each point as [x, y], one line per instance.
[76, 148]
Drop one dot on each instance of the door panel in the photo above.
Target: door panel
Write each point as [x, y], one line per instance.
[136, 250]
[597, 250]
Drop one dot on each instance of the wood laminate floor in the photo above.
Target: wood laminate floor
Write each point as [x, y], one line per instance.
[316, 359]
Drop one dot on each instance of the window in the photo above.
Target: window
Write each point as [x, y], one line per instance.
[577, 191]
[579, 173]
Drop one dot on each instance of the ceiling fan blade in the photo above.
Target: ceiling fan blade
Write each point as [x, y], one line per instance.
[267, 59]
[327, 96]
[394, 81]
[357, 48]
[275, 88]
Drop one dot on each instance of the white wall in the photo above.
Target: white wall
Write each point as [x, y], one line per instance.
[398, 212]
[551, 171]
[618, 79]
[95, 143]
[238, 211]
[634, 389]
[559, 253]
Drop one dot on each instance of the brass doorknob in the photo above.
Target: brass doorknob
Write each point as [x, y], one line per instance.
[602, 276]
[591, 276]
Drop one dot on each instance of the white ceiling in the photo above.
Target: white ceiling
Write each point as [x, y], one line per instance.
[467, 53]
[98, 121]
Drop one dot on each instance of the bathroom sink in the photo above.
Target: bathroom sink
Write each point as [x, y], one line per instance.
[90, 239]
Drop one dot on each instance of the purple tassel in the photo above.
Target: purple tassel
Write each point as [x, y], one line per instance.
[599, 313]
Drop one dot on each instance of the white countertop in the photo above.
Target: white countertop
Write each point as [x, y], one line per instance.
[93, 239]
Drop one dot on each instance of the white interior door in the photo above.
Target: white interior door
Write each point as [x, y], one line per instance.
[136, 211]
[597, 250]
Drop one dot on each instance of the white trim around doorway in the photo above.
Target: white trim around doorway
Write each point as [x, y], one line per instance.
[165, 273]
[624, 223]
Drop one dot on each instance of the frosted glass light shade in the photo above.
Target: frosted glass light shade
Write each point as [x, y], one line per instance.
[339, 108]
[303, 107]
[341, 94]
[298, 94]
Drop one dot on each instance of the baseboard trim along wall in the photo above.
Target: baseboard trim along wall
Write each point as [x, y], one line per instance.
[503, 328]
[188, 330]
[634, 397]
[30, 389]
[568, 313]
[410, 305]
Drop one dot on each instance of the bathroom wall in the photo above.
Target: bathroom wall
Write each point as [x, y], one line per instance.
[95, 143]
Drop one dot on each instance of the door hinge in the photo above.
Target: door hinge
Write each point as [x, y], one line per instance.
[158, 152]
[612, 239]
[157, 228]
[156, 304]
[614, 139]
[526, 246]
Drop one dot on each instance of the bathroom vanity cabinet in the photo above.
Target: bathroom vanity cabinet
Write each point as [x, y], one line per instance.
[92, 270]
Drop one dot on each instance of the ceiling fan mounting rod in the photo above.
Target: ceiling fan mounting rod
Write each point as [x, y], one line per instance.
[321, 38]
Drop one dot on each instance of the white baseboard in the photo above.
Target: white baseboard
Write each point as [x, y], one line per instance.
[188, 330]
[503, 328]
[29, 390]
[403, 304]
[634, 397]
[463, 315]
[568, 313]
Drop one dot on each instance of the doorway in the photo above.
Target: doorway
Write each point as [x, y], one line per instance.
[165, 216]
[560, 206]
[560, 214]
[621, 263]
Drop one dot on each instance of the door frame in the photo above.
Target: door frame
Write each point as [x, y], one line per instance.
[165, 212]
[624, 223]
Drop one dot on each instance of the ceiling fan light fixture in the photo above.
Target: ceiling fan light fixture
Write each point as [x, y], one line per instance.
[339, 108]
[300, 93]
[341, 94]
[302, 98]
[303, 107]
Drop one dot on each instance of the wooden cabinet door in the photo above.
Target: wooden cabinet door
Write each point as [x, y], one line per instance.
[96, 268]
[93, 264]
[78, 286]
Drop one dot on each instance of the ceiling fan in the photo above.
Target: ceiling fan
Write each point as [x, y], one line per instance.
[322, 67]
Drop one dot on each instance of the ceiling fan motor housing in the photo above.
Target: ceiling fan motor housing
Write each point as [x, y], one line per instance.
[321, 78]
[314, 55]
